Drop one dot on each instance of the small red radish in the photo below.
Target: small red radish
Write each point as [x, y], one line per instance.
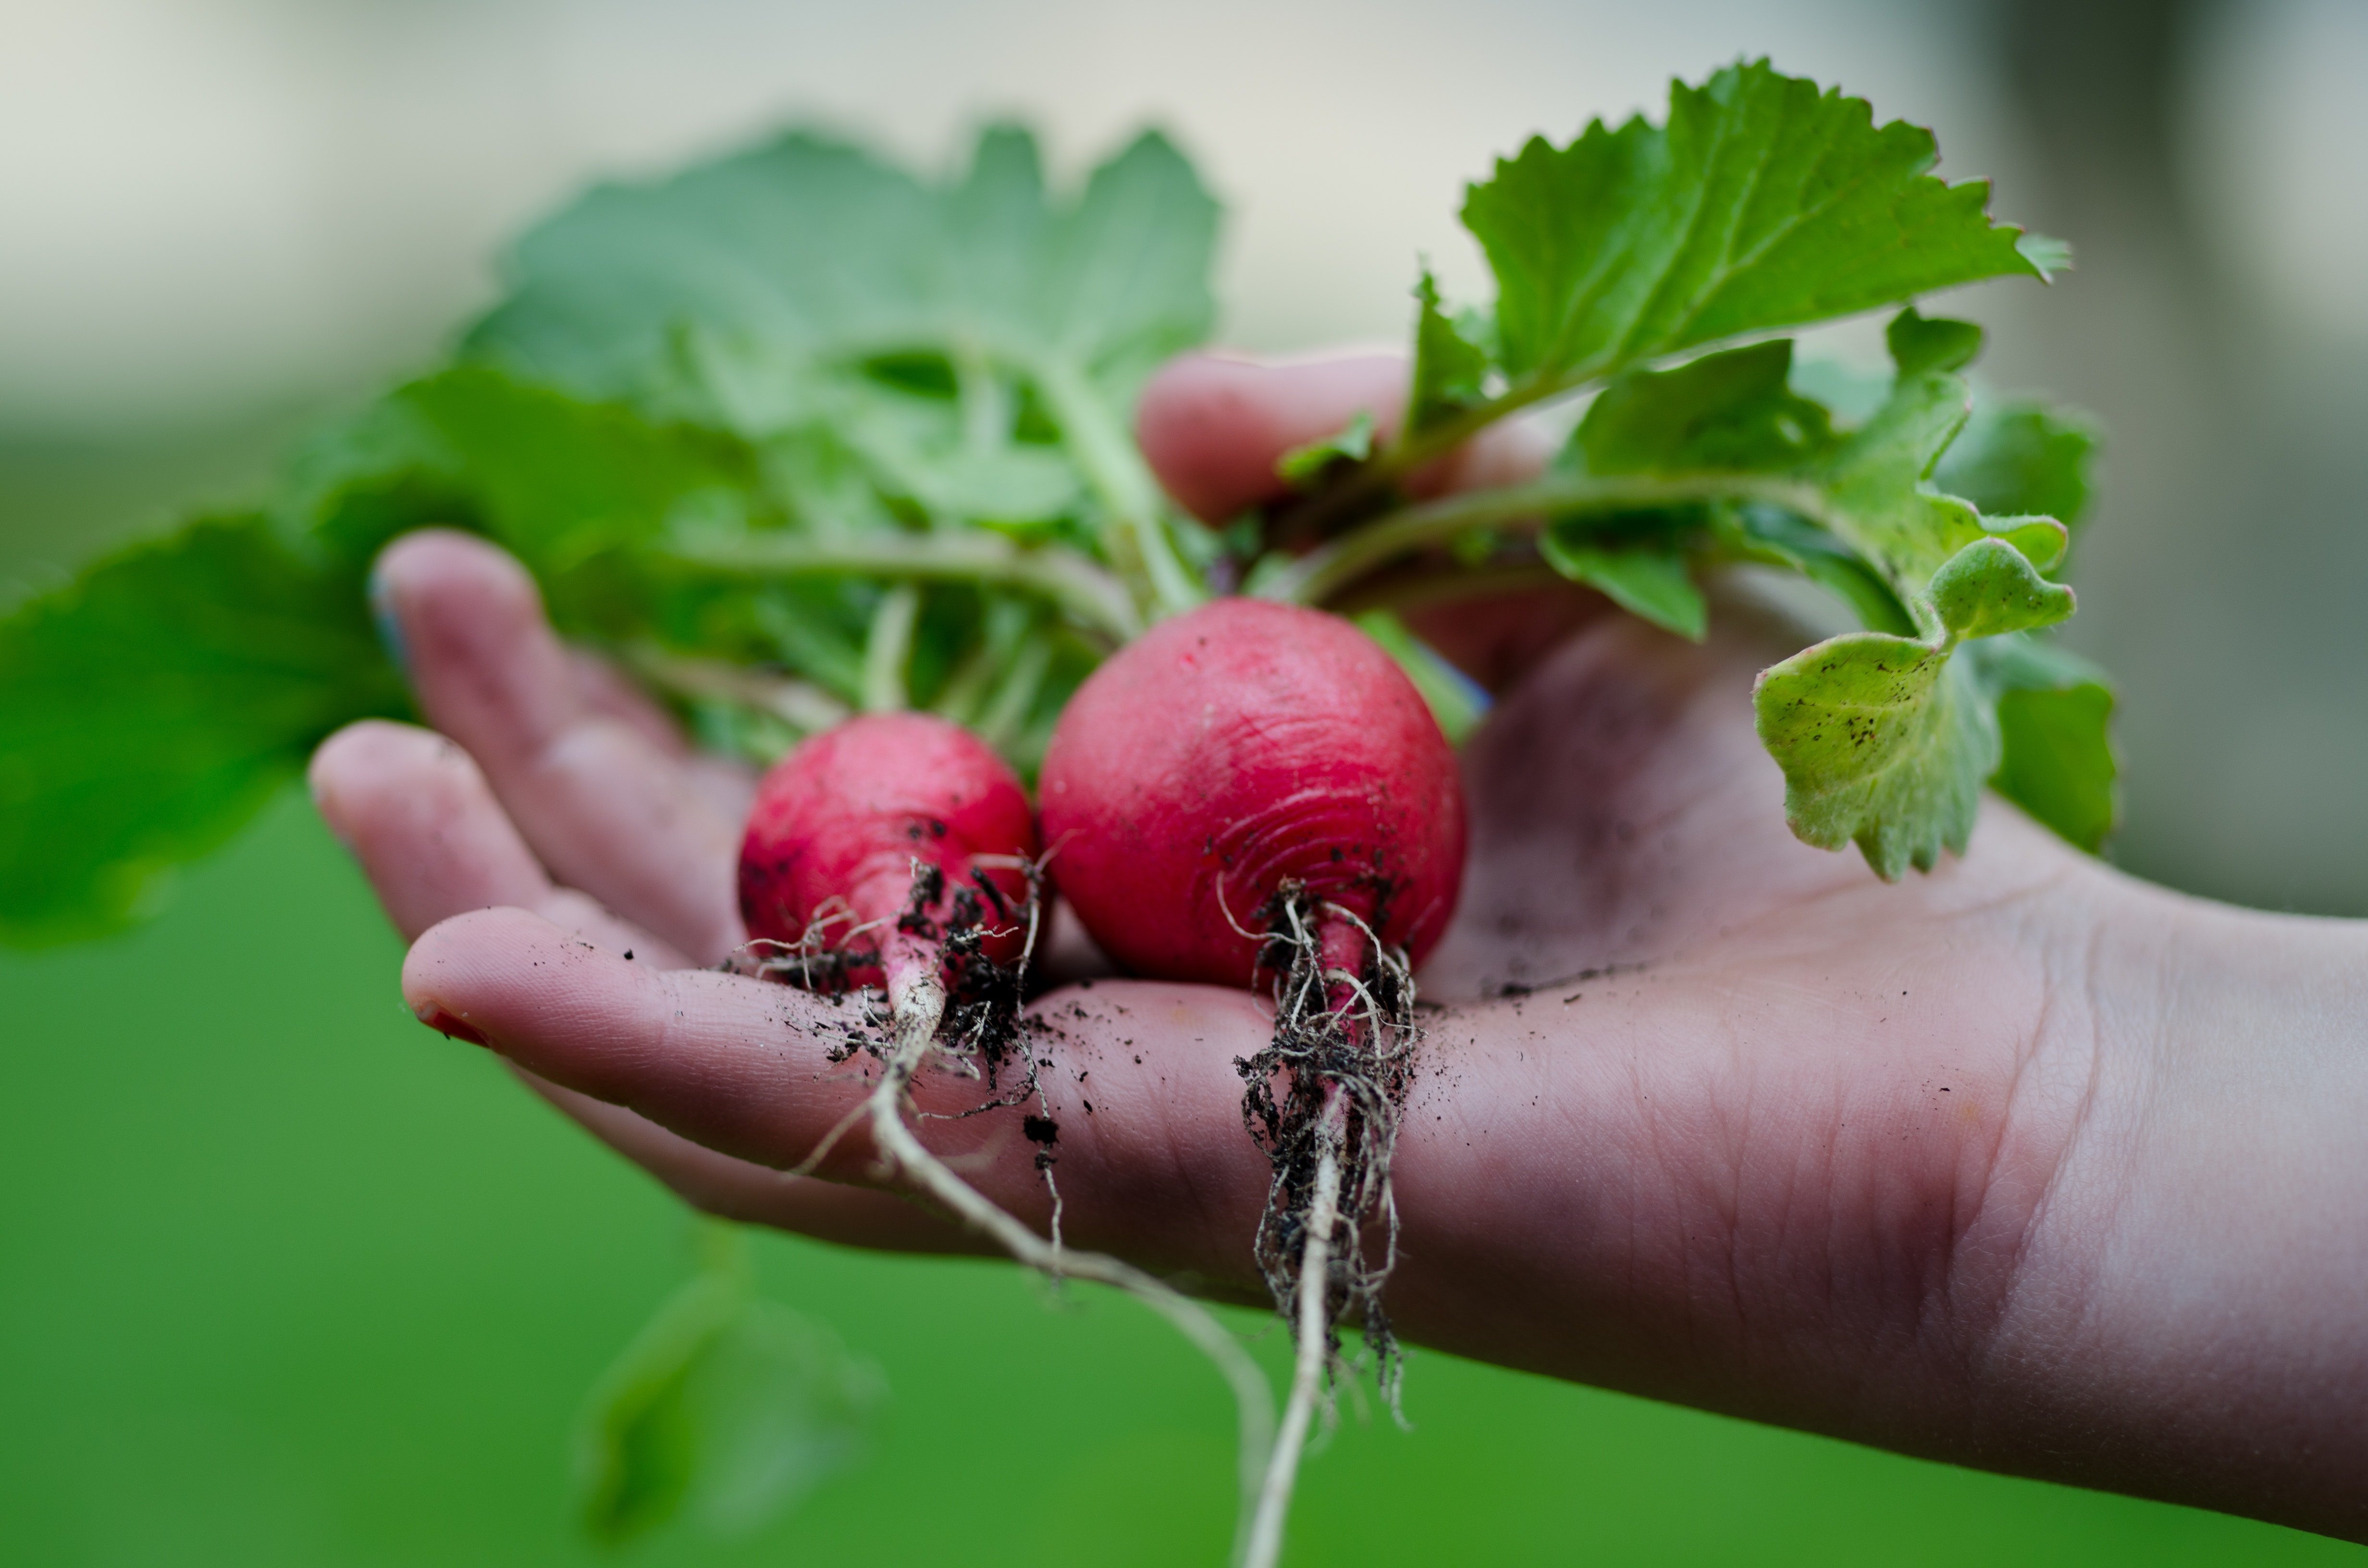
[839, 824]
[1234, 749]
[1251, 787]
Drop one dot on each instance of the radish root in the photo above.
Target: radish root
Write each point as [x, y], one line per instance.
[1344, 1039]
[917, 1008]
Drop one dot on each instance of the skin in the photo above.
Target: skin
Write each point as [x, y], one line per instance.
[2024, 1164]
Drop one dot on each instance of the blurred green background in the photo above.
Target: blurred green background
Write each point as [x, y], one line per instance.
[291, 1281]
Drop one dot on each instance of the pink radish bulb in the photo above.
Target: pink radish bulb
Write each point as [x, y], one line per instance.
[1233, 748]
[845, 815]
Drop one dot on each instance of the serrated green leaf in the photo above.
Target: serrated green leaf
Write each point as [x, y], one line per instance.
[1450, 370]
[1763, 203]
[1885, 742]
[152, 707]
[1720, 412]
[1920, 342]
[2047, 254]
[805, 290]
[1878, 502]
[808, 251]
[1648, 579]
[2054, 714]
[1303, 465]
[553, 478]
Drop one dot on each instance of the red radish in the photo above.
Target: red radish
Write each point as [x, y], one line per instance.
[897, 847]
[1250, 786]
[1229, 751]
[839, 824]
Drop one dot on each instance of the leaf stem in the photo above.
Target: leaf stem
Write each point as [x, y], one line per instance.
[1091, 596]
[800, 704]
[1325, 572]
[1412, 450]
[1139, 539]
[888, 647]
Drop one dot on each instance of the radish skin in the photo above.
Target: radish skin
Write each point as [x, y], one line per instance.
[1234, 749]
[839, 825]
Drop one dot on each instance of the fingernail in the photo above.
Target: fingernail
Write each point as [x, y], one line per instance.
[390, 627]
[452, 1028]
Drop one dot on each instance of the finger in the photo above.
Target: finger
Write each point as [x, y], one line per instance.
[416, 812]
[605, 807]
[758, 1195]
[1150, 1152]
[1212, 427]
[728, 786]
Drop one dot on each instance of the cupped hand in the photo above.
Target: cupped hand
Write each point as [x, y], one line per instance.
[1951, 1165]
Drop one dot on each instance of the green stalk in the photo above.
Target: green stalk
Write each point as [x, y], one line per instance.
[1138, 537]
[969, 688]
[888, 647]
[986, 404]
[998, 726]
[800, 704]
[1091, 596]
[1322, 573]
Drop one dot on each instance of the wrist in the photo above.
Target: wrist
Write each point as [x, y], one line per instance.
[2184, 1319]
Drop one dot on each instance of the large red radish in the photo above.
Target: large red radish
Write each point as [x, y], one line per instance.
[1235, 749]
[1252, 789]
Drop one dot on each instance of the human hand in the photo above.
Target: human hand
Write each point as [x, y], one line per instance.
[1968, 1167]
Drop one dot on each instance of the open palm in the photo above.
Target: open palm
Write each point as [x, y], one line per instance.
[1707, 1114]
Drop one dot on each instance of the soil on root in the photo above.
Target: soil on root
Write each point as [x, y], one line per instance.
[1334, 1080]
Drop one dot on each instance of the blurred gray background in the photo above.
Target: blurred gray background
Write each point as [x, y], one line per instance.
[219, 219]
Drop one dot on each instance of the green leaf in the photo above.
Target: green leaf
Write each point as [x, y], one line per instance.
[1303, 465]
[1770, 536]
[1451, 368]
[2054, 714]
[1648, 579]
[552, 478]
[1763, 203]
[1878, 502]
[725, 1411]
[808, 252]
[1726, 412]
[1920, 342]
[1991, 587]
[2047, 254]
[2020, 456]
[807, 292]
[1886, 741]
[155, 704]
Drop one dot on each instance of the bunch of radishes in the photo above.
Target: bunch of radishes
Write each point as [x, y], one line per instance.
[1249, 794]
